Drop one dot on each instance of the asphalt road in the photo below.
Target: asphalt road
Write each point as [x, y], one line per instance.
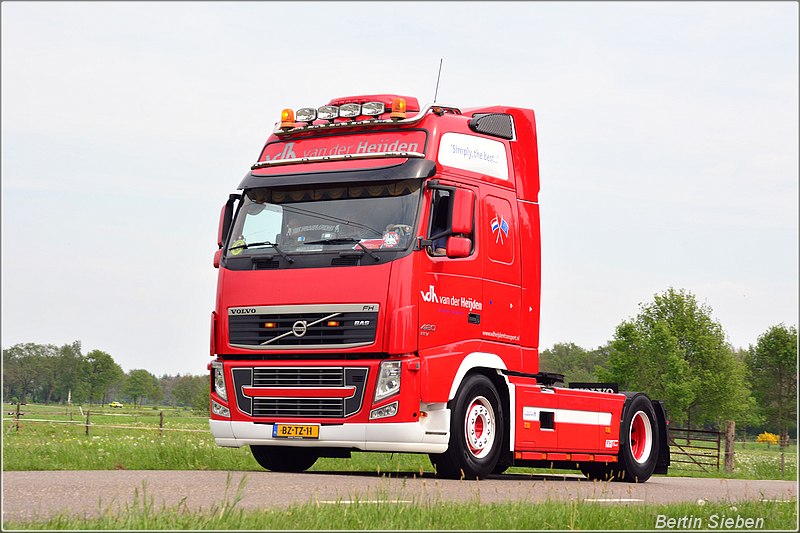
[30, 494]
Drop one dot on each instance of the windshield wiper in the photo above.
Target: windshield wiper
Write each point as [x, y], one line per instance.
[264, 243]
[346, 240]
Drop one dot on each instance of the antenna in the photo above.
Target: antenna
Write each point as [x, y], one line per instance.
[437, 81]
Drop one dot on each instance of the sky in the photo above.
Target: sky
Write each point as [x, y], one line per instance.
[668, 145]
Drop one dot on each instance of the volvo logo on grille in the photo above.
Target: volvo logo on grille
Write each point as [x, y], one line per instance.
[299, 328]
[241, 311]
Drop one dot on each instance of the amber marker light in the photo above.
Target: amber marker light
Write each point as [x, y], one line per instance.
[287, 119]
[398, 109]
[333, 323]
[270, 325]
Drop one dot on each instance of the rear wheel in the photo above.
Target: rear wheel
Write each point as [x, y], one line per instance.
[476, 431]
[638, 452]
[284, 458]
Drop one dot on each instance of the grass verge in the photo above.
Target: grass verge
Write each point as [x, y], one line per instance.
[384, 514]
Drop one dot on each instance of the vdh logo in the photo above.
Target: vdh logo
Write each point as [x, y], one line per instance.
[501, 227]
[430, 296]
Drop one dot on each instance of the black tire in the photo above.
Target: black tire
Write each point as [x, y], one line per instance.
[638, 441]
[476, 431]
[284, 458]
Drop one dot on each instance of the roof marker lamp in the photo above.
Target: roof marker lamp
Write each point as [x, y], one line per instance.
[350, 111]
[306, 114]
[398, 109]
[287, 119]
[328, 112]
[372, 109]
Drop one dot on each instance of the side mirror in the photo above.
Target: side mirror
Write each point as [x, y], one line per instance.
[225, 217]
[463, 204]
[458, 247]
[217, 257]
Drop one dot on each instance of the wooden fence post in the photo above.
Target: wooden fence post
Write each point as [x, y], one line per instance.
[87, 422]
[161, 424]
[17, 417]
[730, 434]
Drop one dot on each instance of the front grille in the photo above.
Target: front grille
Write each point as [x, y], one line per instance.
[310, 378]
[298, 377]
[297, 327]
[298, 408]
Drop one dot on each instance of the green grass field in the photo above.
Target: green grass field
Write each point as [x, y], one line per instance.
[132, 439]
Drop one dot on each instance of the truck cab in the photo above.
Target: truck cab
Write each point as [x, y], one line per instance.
[379, 290]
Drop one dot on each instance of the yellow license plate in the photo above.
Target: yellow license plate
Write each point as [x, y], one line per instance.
[293, 431]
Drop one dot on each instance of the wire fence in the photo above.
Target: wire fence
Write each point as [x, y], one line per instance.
[15, 420]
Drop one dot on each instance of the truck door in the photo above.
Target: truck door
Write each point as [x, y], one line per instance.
[502, 276]
[450, 300]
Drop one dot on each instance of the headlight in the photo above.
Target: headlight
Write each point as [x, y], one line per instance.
[219, 380]
[388, 380]
[384, 412]
[220, 410]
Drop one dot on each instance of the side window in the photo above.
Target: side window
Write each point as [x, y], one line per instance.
[440, 225]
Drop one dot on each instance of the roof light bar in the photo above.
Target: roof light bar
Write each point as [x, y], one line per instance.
[328, 112]
[349, 110]
[306, 114]
[373, 109]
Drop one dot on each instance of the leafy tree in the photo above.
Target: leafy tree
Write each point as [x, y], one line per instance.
[22, 366]
[50, 368]
[193, 391]
[141, 384]
[103, 372]
[674, 350]
[575, 363]
[773, 370]
[73, 374]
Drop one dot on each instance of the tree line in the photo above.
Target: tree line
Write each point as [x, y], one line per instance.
[46, 373]
[675, 351]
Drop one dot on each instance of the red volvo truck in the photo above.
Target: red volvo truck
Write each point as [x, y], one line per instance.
[379, 290]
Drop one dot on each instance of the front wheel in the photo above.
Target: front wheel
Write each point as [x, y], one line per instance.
[284, 458]
[476, 431]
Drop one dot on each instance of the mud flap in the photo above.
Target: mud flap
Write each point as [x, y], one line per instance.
[663, 431]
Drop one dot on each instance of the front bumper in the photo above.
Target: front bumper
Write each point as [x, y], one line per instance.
[430, 435]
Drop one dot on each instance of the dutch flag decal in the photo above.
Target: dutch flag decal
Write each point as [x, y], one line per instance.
[501, 227]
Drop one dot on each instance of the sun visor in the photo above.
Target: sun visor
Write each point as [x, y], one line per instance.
[410, 169]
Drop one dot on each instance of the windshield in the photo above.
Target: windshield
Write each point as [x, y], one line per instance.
[309, 218]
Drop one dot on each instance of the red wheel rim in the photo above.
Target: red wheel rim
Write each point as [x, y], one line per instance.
[641, 437]
[479, 427]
